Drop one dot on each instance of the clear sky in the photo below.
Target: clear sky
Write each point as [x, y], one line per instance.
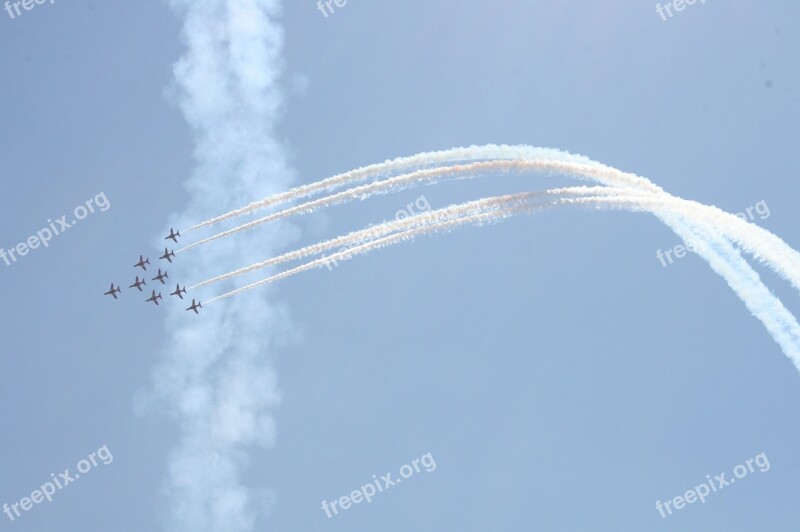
[561, 377]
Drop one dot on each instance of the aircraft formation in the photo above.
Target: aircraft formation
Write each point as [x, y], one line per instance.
[162, 277]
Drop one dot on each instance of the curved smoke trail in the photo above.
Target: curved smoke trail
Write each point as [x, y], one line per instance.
[764, 245]
[421, 219]
[723, 258]
[478, 212]
[692, 221]
[431, 176]
[759, 242]
[435, 158]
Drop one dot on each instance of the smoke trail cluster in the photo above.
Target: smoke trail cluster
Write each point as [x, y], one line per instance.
[719, 230]
[215, 377]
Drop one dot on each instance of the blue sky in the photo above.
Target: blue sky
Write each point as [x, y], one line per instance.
[561, 377]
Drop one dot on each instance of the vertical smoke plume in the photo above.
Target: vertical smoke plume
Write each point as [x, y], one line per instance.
[215, 376]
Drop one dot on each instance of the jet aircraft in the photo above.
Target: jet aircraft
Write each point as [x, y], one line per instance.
[142, 262]
[114, 291]
[154, 298]
[169, 255]
[173, 235]
[161, 277]
[179, 291]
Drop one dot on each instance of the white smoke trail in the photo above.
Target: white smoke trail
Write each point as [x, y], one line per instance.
[383, 229]
[214, 377]
[479, 211]
[483, 217]
[362, 192]
[745, 282]
[436, 158]
[579, 170]
[708, 225]
[719, 253]
[764, 245]
[418, 220]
